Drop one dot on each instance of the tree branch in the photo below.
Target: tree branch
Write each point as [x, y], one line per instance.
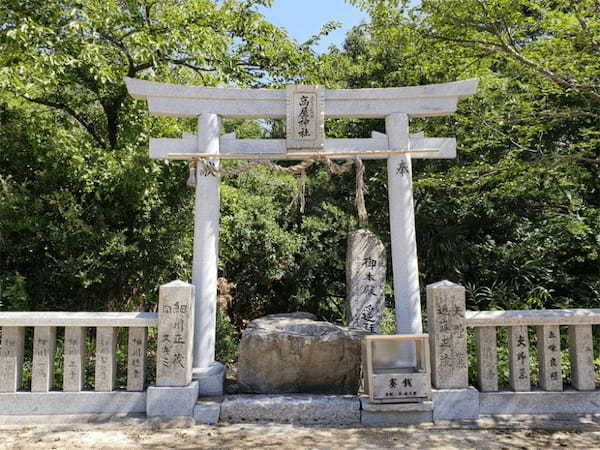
[185, 63]
[70, 111]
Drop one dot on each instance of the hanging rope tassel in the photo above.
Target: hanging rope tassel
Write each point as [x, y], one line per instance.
[359, 198]
[191, 181]
[301, 191]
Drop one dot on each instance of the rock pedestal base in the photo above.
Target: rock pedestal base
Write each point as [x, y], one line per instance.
[210, 380]
[294, 353]
[455, 404]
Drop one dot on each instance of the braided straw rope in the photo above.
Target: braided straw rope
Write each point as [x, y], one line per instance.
[212, 169]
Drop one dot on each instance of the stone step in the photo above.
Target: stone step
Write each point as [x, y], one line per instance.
[395, 413]
[208, 411]
[296, 408]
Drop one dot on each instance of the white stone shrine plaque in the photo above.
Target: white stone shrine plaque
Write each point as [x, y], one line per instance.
[305, 117]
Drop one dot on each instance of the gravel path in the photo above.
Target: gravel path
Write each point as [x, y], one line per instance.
[142, 433]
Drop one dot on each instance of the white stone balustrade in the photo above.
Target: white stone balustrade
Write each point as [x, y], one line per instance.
[75, 324]
[546, 323]
[449, 343]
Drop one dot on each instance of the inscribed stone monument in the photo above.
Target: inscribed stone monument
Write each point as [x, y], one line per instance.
[365, 281]
[447, 334]
[175, 334]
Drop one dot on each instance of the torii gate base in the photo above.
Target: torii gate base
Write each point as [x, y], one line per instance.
[306, 108]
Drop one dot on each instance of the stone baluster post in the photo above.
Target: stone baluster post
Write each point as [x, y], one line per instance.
[74, 359]
[11, 358]
[518, 358]
[106, 359]
[582, 357]
[136, 358]
[487, 358]
[548, 347]
[42, 369]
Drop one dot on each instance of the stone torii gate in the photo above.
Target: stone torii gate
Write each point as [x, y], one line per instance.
[305, 108]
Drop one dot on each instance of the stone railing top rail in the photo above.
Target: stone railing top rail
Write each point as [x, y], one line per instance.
[533, 317]
[190, 101]
[78, 319]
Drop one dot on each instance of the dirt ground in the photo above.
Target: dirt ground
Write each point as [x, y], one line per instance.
[144, 433]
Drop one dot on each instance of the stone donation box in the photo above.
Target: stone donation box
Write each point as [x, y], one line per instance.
[385, 375]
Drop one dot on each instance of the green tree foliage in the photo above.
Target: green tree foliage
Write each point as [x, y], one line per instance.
[516, 218]
[87, 221]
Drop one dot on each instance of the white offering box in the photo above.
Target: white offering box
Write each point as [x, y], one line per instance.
[386, 377]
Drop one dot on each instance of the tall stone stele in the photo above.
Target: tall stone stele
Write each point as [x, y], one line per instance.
[447, 335]
[365, 281]
[175, 334]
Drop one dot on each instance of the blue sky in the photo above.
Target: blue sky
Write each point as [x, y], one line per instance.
[303, 18]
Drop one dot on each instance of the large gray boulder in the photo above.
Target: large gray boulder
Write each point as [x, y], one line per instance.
[285, 353]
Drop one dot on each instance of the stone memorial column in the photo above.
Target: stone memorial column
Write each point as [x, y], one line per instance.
[402, 230]
[365, 281]
[206, 246]
[175, 394]
[175, 330]
[447, 335]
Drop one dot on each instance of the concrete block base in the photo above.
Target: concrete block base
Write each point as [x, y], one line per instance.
[85, 402]
[210, 379]
[295, 408]
[453, 404]
[171, 401]
[539, 402]
[207, 411]
[390, 414]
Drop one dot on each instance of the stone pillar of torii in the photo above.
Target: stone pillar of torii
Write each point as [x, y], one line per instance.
[305, 108]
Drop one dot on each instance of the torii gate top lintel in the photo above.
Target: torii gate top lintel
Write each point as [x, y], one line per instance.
[190, 101]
